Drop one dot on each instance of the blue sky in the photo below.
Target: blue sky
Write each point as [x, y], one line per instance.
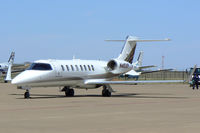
[43, 29]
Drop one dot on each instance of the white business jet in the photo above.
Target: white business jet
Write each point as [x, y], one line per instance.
[87, 74]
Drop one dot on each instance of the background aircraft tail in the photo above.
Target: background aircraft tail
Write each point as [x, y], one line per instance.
[10, 63]
[138, 63]
[12, 57]
[137, 66]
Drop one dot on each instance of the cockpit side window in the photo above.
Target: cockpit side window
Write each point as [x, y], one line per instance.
[40, 66]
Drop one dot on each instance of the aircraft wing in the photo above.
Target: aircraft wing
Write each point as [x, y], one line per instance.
[144, 67]
[89, 82]
[143, 72]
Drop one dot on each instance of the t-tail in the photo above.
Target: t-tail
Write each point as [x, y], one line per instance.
[128, 51]
[123, 63]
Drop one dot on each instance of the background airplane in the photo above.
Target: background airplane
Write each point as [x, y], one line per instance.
[138, 69]
[137, 66]
[87, 74]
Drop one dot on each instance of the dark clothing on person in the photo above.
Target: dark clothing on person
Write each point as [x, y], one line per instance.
[195, 80]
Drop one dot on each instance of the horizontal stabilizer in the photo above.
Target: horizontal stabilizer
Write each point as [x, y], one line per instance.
[138, 40]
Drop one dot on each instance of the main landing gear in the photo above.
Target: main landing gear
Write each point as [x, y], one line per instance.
[106, 92]
[69, 92]
[26, 94]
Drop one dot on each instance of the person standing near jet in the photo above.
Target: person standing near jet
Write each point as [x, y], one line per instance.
[195, 80]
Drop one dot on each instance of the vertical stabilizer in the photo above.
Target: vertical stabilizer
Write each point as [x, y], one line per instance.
[10, 63]
[140, 59]
[128, 50]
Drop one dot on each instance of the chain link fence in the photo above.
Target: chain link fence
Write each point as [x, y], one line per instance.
[165, 75]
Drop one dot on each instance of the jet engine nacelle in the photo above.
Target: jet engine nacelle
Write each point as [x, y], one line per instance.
[118, 66]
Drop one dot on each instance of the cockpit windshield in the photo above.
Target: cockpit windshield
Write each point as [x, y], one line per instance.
[40, 66]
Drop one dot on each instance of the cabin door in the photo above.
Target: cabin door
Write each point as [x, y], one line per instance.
[58, 70]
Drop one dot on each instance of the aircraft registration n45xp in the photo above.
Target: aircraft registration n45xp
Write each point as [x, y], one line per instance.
[86, 74]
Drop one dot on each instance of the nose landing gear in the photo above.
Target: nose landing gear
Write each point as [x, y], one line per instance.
[26, 94]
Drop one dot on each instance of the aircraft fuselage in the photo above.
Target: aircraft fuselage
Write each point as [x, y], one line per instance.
[73, 73]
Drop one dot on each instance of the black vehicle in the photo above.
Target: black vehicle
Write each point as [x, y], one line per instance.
[196, 72]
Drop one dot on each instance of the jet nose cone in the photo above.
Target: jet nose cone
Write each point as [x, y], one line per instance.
[19, 79]
[15, 81]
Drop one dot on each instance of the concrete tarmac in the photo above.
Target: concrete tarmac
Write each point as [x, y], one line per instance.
[155, 108]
